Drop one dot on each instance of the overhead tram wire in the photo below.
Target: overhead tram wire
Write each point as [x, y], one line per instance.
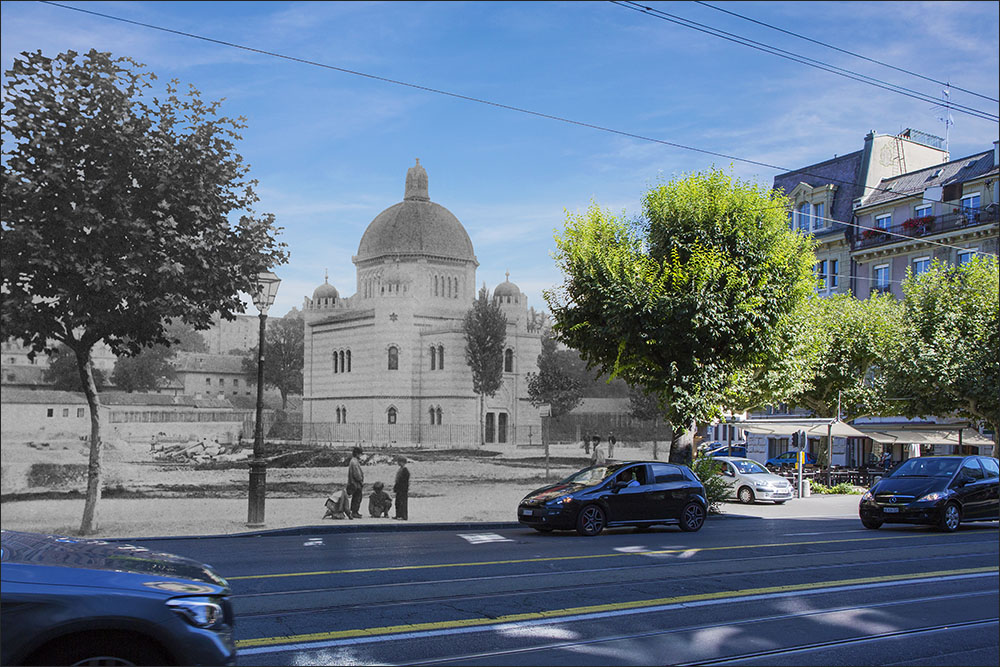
[478, 101]
[803, 60]
[850, 53]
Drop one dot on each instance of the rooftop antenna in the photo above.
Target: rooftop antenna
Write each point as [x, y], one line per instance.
[946, 116]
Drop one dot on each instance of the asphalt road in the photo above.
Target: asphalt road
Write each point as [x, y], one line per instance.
[740, 591]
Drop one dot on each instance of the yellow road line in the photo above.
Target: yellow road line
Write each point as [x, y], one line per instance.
[514, 561]
[589, 609]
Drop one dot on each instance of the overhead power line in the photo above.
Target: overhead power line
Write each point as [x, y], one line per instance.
[481, 101]
[794, 57]
[850, 53]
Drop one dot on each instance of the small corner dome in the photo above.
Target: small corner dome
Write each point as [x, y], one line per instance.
[326, 291]
[507, 289]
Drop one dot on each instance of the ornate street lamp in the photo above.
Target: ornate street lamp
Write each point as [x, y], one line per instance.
[263, 298]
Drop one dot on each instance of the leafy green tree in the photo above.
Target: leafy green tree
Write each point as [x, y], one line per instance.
[681, 299]
[284, 352]
[64, 374]
[485, 328]
[948, 359]
[121, 212]
[552, 384]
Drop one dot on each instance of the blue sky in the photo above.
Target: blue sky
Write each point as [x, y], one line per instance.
[330, 150]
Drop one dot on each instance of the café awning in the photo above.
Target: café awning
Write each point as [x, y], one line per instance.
[936, 434]
[814, 427]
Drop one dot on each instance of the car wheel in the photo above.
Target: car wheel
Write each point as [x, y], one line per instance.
[692, 518]
[746, 495]
[590, 521]
[111, 648]
[951, 517]
[873, 524]
[543, 529]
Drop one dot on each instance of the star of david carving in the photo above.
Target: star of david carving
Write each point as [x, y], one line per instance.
[393, 316]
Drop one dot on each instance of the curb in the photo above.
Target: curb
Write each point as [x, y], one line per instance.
[321, 529]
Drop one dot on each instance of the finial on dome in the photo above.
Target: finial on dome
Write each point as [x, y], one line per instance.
[507, 276]
[416, 183]
[326, 275]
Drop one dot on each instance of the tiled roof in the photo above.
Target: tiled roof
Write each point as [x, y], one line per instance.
[914, 182]
[842, 171]
[109, 399]
[36, 396]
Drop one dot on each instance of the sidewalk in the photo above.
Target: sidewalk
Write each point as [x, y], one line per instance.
[482, 506]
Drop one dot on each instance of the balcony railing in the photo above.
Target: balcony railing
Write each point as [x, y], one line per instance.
[919, 227]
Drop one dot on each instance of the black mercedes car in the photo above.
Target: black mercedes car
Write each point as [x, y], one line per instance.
[633, 493]
[935, 490]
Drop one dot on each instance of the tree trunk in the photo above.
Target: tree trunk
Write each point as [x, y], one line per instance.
[89, 524]
[284, 398]
[682, 445]
[655, 442]
[482, 421]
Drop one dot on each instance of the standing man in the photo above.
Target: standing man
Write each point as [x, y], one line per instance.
[402, 489]
[598, 458]
[355, 481]
[612, 441]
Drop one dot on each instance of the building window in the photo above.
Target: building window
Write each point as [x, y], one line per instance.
[921, 265]
[391, 415]
[441, 357]
[348, 361]
[508, 361]
[803, 216]
[432, 414]
[222, 382]
[883, 221]
[342, 359]
[208, 382]
[433, 360]
[79, 413]
[438, 412]
[336, 363]
[965, 256]
[821, 274]
[970, 204]
[819, 216]
[236, 383]
[834, 270]
[393, 359]
[922, 211]
[65, 412]
[880, 278]
[50, 413]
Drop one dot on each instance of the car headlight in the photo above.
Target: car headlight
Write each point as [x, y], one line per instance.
[866, 496]
[201, 612]
[762, 485]
[936, 495]
[562, 500]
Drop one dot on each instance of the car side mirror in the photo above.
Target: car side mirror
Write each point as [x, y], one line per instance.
[964, 479]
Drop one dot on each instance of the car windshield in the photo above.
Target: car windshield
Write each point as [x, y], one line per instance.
[590, 476]
[926, 467]
[748, 467]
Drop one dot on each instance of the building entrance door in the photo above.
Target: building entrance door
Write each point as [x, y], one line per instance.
[490, 426]
[502, 427]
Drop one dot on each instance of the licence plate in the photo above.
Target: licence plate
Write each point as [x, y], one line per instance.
[890, 510]
[527, 512]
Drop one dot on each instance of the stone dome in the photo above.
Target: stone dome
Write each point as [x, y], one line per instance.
[507, 291]
[326, 291]
[416, 226]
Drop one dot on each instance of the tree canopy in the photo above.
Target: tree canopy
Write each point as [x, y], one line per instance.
[284, 353]
[121, 212]
[485, 328]
[682, 298]
[554, 384]
[948, 358]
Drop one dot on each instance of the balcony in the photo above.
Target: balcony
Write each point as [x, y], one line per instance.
[927, 226]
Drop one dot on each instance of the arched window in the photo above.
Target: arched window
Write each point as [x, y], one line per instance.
[393, 358]
[435, 285]
[441, 357]
[348, 363]
[342, 366]
[433, 359]
[391, 415]
[432, 415]
[336, 366]
[508, 361]
[338, 415]
[343, 413]
[439, 415]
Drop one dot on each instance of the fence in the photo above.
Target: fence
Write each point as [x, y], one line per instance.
[167, 416]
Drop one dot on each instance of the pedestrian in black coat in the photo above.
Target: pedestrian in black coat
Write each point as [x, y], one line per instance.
[402, 489]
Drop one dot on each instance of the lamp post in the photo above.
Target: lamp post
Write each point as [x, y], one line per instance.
[267, 288]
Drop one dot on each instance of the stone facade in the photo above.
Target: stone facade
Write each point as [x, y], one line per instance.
[388, 363]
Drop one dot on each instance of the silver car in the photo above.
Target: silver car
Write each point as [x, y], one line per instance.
[749, 481]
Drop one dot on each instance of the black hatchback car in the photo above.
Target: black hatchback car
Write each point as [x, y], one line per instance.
[935, 490]
[634, 493]
[72, 601]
